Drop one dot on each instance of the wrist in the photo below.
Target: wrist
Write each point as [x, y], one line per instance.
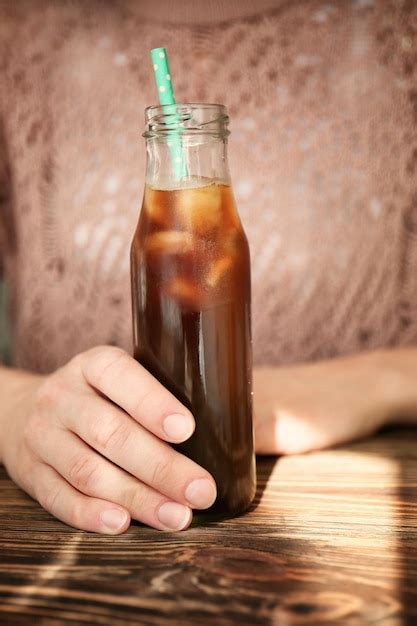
[17, 388]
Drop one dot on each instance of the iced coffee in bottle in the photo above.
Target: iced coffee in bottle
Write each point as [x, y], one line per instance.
[191, 293]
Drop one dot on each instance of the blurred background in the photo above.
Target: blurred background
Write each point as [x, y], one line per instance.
[4, 329]
[323, 154]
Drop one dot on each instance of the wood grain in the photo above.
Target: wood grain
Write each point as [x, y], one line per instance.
[332, 539]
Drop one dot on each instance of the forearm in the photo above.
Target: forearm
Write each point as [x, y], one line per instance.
[15, 387]
[396, 382]
[313, 406]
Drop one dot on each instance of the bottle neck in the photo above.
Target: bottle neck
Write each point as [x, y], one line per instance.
[185, 142]
[173, 161]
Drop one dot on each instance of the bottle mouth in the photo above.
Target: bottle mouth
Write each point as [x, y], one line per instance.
[186, 119]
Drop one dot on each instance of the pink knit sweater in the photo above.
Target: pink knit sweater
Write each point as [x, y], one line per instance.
[323, 151]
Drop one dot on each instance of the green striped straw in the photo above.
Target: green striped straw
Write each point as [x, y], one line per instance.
[166, 97]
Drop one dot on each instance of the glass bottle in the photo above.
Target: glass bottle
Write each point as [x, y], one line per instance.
[190, 270]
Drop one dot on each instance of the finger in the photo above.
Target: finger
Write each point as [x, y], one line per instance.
[56, 496]
[93, 475]
[124, 381]
[116, 436]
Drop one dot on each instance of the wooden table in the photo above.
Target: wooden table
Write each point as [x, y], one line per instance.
[332, 540]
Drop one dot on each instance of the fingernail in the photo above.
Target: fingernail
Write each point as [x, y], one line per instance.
[178, 427]
[113, 519]
[174, 516]
[201, 493]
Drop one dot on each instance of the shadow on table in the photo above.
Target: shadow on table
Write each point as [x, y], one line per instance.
[299, 603]
[265, 467]
[407, 527]
[399, 444]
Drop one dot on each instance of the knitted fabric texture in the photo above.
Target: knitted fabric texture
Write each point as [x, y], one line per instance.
[323, 155]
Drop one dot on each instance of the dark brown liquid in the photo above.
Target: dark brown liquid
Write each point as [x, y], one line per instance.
[191, 309]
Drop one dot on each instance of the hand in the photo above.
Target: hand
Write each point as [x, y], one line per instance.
[88, 442]
[308, 407]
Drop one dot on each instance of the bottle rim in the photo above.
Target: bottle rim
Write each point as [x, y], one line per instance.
[191, 118]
